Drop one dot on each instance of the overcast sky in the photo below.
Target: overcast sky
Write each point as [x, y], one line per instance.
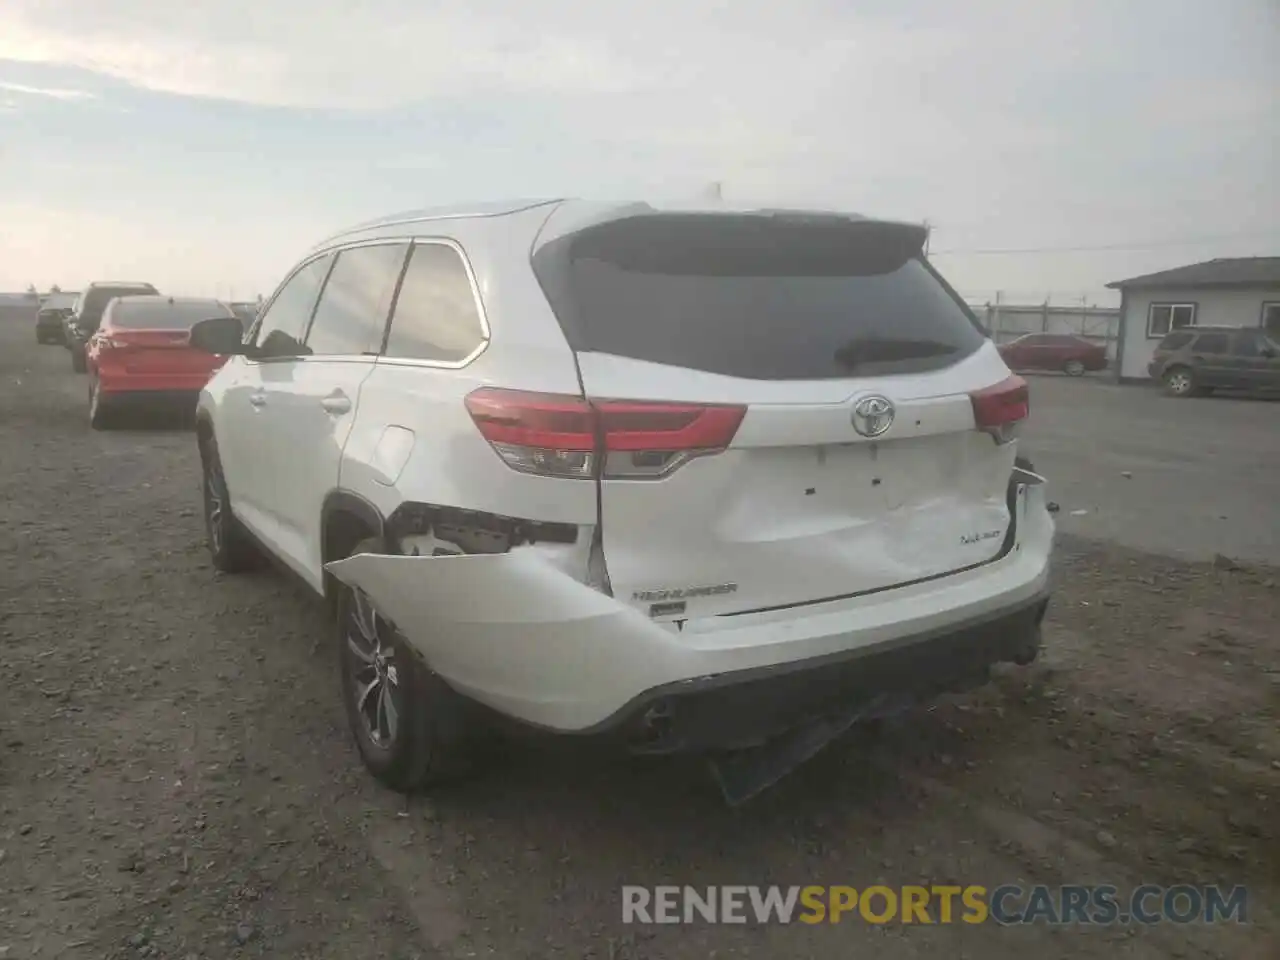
[203, 145]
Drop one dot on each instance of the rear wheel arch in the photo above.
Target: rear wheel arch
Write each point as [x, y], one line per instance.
[204, 435]
[346, 520]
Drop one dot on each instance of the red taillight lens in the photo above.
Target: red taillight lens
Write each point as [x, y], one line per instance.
[564, 436]
[999, 409]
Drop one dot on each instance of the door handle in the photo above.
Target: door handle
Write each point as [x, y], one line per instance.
[257, 400]
[336, 403]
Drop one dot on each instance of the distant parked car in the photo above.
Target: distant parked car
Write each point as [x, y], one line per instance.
[140, 354]
[49, 319]
[1054, 351]
[1195, 362]
[87, 314]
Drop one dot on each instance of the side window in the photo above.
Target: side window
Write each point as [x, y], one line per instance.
[352, 314]
[436, 315]
[1211, 343]
[1246, 344]
[281, 328]
[1175, 341]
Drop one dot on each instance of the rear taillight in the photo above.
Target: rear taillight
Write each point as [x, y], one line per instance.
[563, 436]
[998, 409]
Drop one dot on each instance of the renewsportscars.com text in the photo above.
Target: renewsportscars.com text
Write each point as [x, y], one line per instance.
[1007, 904]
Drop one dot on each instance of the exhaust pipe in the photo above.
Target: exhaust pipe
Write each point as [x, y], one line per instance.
[1027, 654]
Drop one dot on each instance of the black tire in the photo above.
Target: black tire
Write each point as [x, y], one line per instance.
[1180, 381]
[77, 360]
[101, 414]
[439, 736]
[230, 546]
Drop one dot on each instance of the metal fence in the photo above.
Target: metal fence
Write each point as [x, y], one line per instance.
[1008, 321]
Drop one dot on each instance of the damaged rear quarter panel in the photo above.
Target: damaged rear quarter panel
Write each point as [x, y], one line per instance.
[438, 456]
[498, 626]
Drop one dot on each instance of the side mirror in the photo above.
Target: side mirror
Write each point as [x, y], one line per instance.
[220, 335]
[1268, 352]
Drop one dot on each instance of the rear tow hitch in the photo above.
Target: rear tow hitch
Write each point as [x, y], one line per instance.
[748, 771]
[1029, 651]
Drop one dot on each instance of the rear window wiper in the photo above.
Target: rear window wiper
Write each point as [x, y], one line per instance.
[887, 349]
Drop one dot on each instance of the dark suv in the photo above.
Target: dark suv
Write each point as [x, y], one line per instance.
[87, 314]
[49, 321]
[1193, 362]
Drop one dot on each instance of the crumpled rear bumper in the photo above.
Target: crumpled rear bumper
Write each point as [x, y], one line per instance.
[518, 634]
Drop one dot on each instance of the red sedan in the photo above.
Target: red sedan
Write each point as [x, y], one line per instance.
[1054, 351]
[140, 354]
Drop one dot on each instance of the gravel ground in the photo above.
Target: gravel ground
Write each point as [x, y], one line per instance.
[176, 779]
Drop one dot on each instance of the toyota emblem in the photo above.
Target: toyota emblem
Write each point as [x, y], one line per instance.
[872, 416]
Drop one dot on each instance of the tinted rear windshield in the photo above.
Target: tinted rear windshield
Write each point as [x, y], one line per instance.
[760, 297]
[163, 315]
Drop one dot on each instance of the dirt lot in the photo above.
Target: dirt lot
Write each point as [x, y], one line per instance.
[176, 778]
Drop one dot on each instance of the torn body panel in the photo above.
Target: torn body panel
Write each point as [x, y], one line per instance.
[519, 633]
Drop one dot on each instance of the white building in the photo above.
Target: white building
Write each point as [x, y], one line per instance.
[1238, 292]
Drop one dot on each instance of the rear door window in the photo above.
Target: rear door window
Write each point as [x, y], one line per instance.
[1246, 344]
[757, 297]
[437, 314]
[1211, 343]
[352, 313]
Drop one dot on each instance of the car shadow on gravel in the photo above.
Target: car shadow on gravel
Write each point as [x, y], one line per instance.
[153, 421]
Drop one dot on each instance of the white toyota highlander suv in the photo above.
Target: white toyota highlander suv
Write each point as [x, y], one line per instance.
[694, 477]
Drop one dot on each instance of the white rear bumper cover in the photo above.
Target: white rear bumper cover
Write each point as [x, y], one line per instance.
[519, 635]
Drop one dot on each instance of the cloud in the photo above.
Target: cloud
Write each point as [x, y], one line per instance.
[1006, 123]
[51, 92]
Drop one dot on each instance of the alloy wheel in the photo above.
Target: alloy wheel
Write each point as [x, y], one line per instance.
[214, 504]
[1074, 368]
[1179, 382]
[371, 659]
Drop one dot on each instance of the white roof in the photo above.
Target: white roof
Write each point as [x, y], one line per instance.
[563, 215]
